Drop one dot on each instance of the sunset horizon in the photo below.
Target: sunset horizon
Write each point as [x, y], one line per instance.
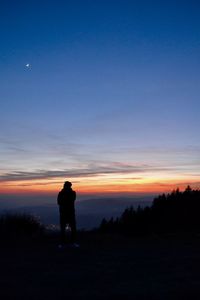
[103, 94]
[103, 188]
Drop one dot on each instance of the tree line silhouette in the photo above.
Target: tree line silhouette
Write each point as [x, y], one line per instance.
[169, 213]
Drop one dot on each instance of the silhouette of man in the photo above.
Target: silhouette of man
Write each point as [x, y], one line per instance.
[65, 200]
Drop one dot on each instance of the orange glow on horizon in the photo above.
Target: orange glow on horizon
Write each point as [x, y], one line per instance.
[99, 185]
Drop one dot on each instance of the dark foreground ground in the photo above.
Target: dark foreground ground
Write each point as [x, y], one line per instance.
[105, 267]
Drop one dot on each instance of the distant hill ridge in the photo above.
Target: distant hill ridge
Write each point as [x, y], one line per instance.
[90, 212]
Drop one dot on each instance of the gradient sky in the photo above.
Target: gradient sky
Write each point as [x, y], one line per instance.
[110, 100]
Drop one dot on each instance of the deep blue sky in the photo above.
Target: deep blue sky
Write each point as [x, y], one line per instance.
[112, 88]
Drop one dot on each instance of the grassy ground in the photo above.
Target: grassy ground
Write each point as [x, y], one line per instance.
[105, 267]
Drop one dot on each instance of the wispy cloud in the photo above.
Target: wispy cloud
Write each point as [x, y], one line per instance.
[92, 169]
[46, 174]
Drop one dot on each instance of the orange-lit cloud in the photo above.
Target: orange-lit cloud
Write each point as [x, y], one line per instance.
[100, 185]
[104, 178]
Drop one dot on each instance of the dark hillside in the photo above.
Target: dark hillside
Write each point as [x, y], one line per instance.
[105, 267]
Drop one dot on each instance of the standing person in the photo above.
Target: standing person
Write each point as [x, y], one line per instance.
[65, 200]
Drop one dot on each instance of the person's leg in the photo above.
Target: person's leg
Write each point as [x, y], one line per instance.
[73, 230]
[62, 230]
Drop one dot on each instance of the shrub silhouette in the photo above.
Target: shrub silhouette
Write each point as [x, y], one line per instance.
[15, 225]
[174, 212]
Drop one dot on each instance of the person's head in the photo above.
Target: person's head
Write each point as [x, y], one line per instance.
[67, 185]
